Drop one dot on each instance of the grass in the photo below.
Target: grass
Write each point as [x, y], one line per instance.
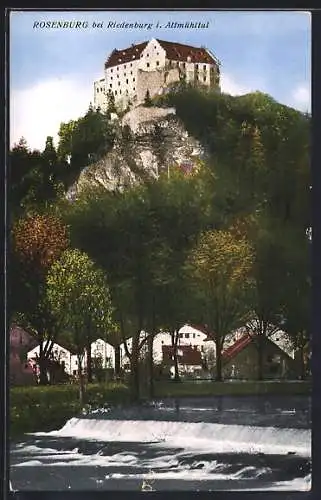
[247, 388]
[44, 408]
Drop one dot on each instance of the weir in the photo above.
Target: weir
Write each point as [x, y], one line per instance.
[193, 435]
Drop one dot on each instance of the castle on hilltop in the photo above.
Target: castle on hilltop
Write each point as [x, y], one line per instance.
[152, 67]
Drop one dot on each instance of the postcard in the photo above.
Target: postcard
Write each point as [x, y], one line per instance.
[159, 221]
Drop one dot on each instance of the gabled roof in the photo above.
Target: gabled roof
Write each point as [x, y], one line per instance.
[174, 51]
[125, 55]
[243, 342]
[180, 52]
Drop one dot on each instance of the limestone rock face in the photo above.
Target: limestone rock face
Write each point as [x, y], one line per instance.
[149, 140]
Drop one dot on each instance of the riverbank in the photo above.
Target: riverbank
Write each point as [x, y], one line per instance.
[44, 408]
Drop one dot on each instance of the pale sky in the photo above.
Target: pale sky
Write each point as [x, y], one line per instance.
[52, 70]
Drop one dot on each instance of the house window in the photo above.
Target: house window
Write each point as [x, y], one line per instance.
[126, 80]
[157, 63]
[181, 335]
[194, 335]
[187, 335]
[147, 64]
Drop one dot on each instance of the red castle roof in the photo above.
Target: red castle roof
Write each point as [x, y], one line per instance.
[174, 51]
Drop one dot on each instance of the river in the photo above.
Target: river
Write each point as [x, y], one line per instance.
[227, 443]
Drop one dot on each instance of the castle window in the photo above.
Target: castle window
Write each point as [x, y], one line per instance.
[131, 64]
[124, 74]
[196, 66]
[204, 78]
[131, 72]
[125, 66]
[117, 76]
[118, 83]
[147, 55]
[134, 89]
[126, 80]
[157, 63]
[97, 90]
[120, 92]
[187, 335]
[204, 67]
[111, 70]
[117, 68]
[110, 85]
[126, 91]
[111, 77]
[133, 79]
[147, 64]
[115, 92]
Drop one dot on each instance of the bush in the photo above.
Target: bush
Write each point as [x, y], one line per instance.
[44, 408]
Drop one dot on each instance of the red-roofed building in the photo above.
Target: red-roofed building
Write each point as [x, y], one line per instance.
[240, 360]
[154, 66]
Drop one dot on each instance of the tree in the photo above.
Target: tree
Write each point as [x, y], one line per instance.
[78, 292]
[147, 101]
[220, 268]
[37, 241]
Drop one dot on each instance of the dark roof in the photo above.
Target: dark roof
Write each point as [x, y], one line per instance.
[180, 52]
[174, 51]
[125, 55]
[243, 342]
[236, 348]
[186, 355]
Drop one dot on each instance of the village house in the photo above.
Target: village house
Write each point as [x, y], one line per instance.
[152, 66]
[240, 360]
[20, 370]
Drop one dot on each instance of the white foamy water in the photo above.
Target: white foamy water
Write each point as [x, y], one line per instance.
[191, 435]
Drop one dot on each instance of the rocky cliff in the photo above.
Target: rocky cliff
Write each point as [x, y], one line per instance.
[149, 140]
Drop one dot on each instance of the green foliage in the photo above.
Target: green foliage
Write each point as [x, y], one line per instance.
[78, 292]
[47, 408]
[84, 141]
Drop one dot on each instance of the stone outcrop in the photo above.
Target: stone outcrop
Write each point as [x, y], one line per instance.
[149, 140]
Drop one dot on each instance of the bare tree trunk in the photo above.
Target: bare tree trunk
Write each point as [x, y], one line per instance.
[81, 381]
[89, 361]
[175, 337]
[117, 360]
[151, 366]
[43, 380]
[218, 346]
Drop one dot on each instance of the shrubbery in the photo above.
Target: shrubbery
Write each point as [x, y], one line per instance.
[44, 408]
